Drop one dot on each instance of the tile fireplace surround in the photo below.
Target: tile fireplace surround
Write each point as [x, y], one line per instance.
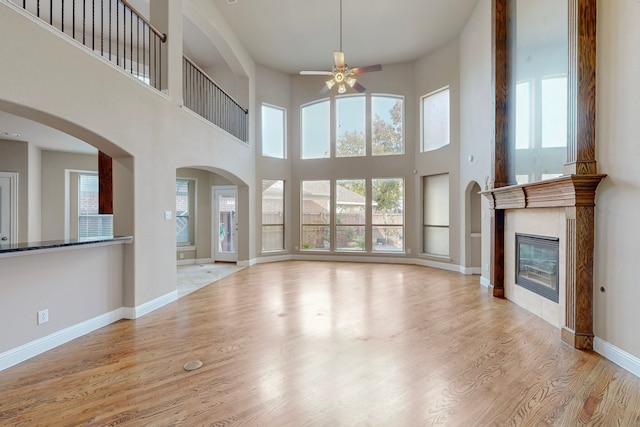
[564, 208]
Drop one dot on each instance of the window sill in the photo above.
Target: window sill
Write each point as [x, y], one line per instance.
[186, 248]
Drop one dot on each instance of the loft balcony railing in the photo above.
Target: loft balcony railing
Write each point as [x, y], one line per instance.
[111, 28]
[204, 97]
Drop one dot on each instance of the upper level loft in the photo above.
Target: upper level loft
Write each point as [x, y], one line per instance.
[122, 32]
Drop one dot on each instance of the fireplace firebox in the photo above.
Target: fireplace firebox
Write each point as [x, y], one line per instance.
[537, 265]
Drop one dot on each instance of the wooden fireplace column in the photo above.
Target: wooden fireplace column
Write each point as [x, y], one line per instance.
[575, 190]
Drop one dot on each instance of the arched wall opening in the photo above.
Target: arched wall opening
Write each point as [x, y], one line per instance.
[200, 237]
[473, 228]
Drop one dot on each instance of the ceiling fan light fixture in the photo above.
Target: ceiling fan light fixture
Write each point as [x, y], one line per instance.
[340, 72]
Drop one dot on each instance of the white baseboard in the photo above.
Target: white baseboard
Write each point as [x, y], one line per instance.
[246, 263]
[485, 282]
[149, 306]
[204, 260]
[34, 348]
[273, 258]
[617, 355]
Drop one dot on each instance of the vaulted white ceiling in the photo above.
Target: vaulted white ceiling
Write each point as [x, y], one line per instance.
[294, 35]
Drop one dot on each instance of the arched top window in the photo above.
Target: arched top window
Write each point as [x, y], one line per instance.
[362, 125]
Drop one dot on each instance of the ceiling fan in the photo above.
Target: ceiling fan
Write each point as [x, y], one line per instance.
[341, 74]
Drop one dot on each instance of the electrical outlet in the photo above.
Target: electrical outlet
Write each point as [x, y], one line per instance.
[43, 316]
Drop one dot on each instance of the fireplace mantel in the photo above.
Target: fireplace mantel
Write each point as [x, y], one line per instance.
[565, 191]
[576, 194]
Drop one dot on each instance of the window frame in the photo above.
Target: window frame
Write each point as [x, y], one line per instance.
[328, 224]
[374, 224]
[339, 225]
[282, 215]
[332, 126]
[430, 224]
[330, 146]
[423, 125]
[191, 191]
[283, 143]
[371, 119]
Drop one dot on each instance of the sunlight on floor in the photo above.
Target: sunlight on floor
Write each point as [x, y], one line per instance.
[195, 276]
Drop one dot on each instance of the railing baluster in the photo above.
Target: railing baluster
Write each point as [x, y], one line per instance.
[84, 20]
[131, 42]
[110, 38]
[148, 55]
[118, 33]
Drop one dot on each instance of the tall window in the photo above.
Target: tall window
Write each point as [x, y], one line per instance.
[435, 123]
[387, 219]
[272, 215]
[91, 224]
[273, 131]
[184, 209]
[387, 125]
[436, 215]
[316, 215]
[316, 121]
[352, 137]
[350, 126]
[351, 203]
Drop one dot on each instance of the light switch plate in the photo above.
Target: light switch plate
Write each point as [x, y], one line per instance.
[168, 215]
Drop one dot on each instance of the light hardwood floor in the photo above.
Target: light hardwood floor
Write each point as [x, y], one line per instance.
[327, 344]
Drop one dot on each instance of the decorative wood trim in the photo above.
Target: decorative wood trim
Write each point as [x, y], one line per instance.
[105, 184]
[497, 253]
[503, 12]
[576, 189]
[565, 191]
[581, 144]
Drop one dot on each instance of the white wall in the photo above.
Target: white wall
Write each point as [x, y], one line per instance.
[475, 115]
[89, 285]
[435, 71]
[616, 311]
[14, 157]
[148, 134]
[53, 203]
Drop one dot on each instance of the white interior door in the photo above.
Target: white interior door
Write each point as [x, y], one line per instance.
[8, 208]
[224, 225]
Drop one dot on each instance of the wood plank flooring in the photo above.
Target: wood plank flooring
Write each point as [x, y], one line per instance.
[324, 344]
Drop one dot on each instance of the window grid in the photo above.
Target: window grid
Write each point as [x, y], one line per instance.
[352, 126]
[272, 215]
[91, 224]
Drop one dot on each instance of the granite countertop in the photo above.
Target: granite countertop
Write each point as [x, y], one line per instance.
[50, 244]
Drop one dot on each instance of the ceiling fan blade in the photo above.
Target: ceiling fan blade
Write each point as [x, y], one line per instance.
[357, 86]
[338, 58]
[316, 73]
[367, 69]
[324, 90]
